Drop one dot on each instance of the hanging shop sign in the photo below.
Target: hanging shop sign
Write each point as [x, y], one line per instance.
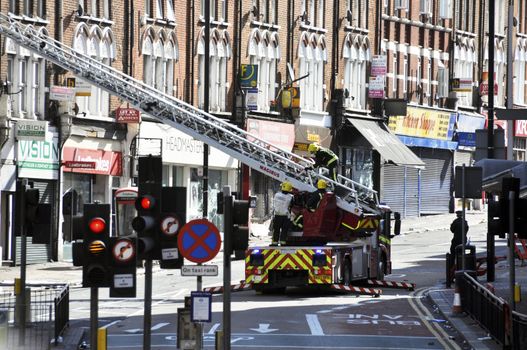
[278, 134]
[521, 128]
[248, 76]
[376, 87]
[127, 115]
[61, 93]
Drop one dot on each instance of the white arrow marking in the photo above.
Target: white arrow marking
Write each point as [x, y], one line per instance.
[263, 328]
[137, 330]
[314, 325]
[159, 325]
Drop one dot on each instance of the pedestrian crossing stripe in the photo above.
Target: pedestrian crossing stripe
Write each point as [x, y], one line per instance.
[290, 259]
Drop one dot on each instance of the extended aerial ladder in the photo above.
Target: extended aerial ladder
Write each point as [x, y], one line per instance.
[247, 148]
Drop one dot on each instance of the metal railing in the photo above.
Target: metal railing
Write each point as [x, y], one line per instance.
[47, 316]
[519, 330]
[489, 310]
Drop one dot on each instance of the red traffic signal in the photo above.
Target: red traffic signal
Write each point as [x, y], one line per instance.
[145, 202]
[97, 225]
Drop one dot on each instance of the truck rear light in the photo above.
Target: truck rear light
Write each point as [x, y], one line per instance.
[256, 259]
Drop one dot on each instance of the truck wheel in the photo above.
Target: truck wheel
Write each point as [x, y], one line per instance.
[380, 270]
[347, 272]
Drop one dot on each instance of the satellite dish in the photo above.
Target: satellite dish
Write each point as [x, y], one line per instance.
[290, 72]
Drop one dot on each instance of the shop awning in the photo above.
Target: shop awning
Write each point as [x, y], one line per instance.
[386, 143]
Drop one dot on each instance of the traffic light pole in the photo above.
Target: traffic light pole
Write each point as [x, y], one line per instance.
[94, 316]
[147, 321]
[227, 232]
[512, 272]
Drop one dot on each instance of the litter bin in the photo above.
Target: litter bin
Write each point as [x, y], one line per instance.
[470, 257]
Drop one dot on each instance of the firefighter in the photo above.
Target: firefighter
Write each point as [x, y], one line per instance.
[324, 157]
[282, 206]
[456, 228]
[312, 204]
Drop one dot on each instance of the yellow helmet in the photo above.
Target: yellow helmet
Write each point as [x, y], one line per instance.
[321, 184]
[313, 147]
[286, 186]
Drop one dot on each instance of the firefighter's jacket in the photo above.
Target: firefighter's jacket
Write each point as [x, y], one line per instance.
[282, 203]
[324, 157]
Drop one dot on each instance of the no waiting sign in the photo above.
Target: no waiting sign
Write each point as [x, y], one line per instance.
[199, 240]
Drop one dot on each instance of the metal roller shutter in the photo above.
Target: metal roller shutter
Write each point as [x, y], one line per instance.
[398, 193]
[436, 181]
[38, 253]
[462, 157]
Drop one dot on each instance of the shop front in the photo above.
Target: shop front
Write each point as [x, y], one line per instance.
[38, 163]
[520, 144]
[91, 170]
[416, 191]
[183, 167]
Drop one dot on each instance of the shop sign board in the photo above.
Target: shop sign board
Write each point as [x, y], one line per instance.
[127, 115]
[521, 128]
[461, 85]
[378, 65]
[82, 87]
[61, 93]
[38, 159]
[106, 162]
[426, 123]
[276, 133]
[248, 76]
[31, 130]
[376, 87]
[251, 99]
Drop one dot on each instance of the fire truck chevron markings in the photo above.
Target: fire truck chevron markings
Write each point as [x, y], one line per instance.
[264, 328]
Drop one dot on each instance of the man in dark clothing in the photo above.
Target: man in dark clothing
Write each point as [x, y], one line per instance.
[324, 158]
[456, 228]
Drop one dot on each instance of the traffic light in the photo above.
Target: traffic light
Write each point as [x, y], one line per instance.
[240, 221]
[173, 214]
[123, 261]
[496, 217]
[148, 205]
[96, 270]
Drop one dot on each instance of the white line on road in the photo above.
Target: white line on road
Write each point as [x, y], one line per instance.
[212, 329]
[111, 324]
[314, 325]
[159, 325]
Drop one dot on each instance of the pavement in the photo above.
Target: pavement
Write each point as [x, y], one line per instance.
[441, 297]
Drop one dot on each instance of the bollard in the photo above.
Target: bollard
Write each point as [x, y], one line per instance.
[456, 305]
[219, 340]
[517, 293]
[102, 337]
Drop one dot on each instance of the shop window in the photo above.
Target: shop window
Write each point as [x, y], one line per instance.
[358, 165]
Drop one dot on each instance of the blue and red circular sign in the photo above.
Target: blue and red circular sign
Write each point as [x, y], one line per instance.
[199, 240]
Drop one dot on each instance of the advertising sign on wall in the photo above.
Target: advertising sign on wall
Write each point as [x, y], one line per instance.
[106, 162]
[38, 159]
[278, 134]
[426, 123]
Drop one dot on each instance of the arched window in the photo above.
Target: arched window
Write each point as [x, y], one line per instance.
[263, 51]
[356, 54]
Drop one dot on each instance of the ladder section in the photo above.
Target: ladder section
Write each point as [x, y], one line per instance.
[247, 148]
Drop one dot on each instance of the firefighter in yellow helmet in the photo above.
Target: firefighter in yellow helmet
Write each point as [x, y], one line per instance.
[282, 203]
[324, 157]
[312, 203]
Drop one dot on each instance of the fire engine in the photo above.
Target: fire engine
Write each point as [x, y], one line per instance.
[346, 239]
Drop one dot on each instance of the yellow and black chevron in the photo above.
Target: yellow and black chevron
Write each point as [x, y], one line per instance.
[289, 259]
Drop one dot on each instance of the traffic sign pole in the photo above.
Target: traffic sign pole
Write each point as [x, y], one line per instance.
[227, 231]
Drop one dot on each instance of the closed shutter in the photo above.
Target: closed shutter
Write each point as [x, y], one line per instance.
[436, 180]
[39, 253]
[462, 157]
[398, 191]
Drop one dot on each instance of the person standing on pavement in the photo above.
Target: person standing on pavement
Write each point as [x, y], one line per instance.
[324, 157]
[456, 227]
[282, 203]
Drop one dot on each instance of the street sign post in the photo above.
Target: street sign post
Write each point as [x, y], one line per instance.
[199, 241]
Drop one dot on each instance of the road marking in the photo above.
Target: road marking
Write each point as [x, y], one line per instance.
[212, 329]
[159, 325]
[314, 325]
[111, 324]
[135, 330]
[423, 312]
[141, 310]
[264, 328]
